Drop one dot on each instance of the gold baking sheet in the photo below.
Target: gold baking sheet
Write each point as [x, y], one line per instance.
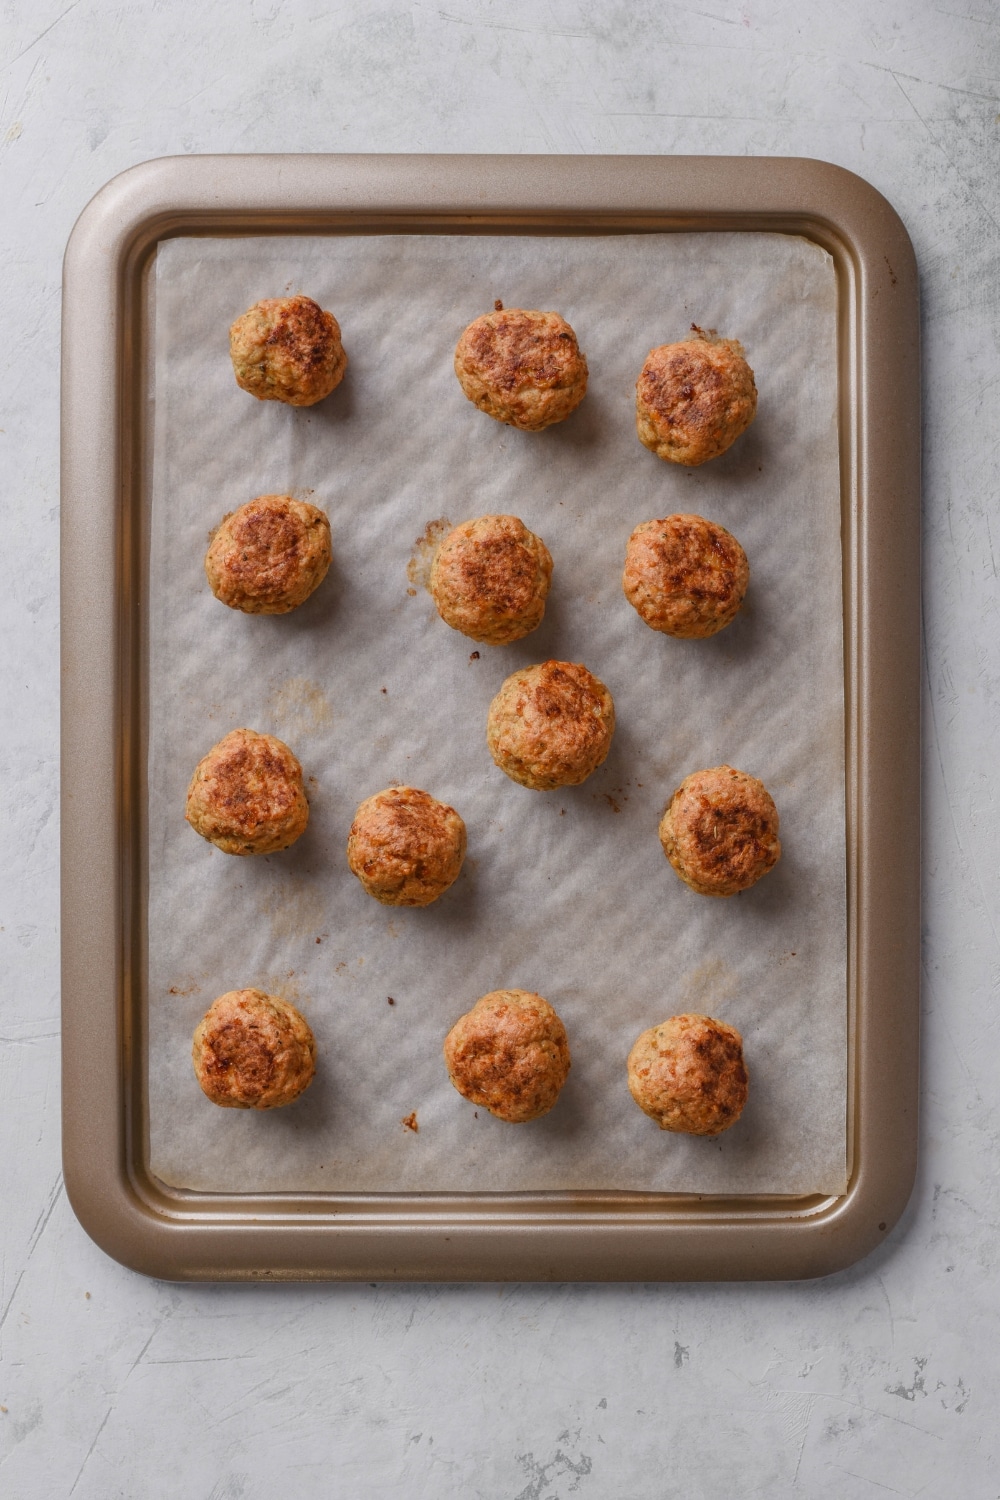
[110, 1001]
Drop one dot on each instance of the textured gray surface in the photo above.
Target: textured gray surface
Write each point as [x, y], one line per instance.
[881, 1379]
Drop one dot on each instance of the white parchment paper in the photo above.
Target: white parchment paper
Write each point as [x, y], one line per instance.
[566, 893]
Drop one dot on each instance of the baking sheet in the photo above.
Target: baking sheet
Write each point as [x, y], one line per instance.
[567, 893]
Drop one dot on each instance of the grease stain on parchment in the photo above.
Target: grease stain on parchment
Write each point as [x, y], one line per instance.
[283, 984]
[299, 707]
[702, 988]
[294, 911]
[425, 549]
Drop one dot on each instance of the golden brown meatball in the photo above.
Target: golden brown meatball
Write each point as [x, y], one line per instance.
[267, 557]
[253, 1051]
[685, 576]
[405, 847]
[693, 399]
[509, 1054]
[720, 831]
[688, 1075]
[490, 578]
[246, 795]
[287, 349]
[550, 725]
[522, 367]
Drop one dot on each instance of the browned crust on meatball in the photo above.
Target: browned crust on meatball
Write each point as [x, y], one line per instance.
[688, 1075]
[267, 557]
[694, 398]
[550, 725]
[246, 795]
[509, 1054]
[287, 349]
[405, 847]
[253, 1051]
[522, 367]
[490, 578]
[720, 831]
[685, 576]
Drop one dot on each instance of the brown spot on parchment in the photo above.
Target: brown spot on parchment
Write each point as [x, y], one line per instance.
[418, 569]
[409, 1122]
[186, 987]
[298, 708]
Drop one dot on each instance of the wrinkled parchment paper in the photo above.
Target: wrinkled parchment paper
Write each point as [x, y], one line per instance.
[566, 893]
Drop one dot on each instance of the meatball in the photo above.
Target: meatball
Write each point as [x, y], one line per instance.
[720, 831]
[550, 725]
[287, 349]
[685, 576]
[490, 578]
[693, 399]
[267, 557]
[246, 795]
[405, 847]
[253, 1051]
[522, 367]
[688, 1075]
[509, 1054]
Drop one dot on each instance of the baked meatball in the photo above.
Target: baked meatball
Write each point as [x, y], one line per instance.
[521, 367]
[246, 795]
[685, 576]
[688, 1075]
[550, 725]
[267, 557]
[720, 831]
[287, 349]
[693, 399]
[489, 579]
[509, 1054]
[405, 847]
[253, 1051]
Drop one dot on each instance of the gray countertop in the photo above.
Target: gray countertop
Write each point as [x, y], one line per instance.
[881, 1379]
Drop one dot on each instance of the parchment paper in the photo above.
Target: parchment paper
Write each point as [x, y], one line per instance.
[566, 893]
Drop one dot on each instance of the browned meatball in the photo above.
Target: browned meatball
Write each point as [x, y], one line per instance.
[685, 576]
[267, 557]
[688, 1075]
[246, 795]
[522, 367]
[287, 349]
[405, 847]
[693, 399]
[720, 831]
[253, 1051]
[490, 578]
[509, 1054]
[550, 725]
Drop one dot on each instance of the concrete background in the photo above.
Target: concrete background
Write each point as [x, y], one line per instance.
[881, 1379]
